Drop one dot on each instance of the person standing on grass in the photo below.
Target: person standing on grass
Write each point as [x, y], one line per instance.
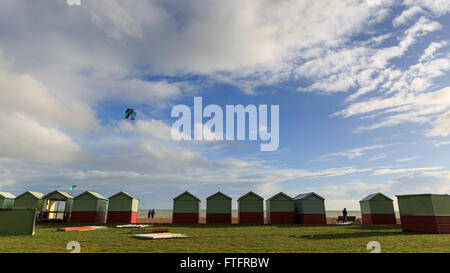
[344, 213]
[149, 214]
[153, 213]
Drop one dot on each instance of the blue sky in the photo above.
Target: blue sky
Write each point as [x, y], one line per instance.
[363, 89]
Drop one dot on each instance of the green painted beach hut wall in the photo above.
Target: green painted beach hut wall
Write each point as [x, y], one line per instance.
[186, 209]
[29, 200]
[428, 213]
[218, 209]
[17, 222]
[310, 209]
[377, 208]
[122, 208]
[89, 207]
[280, 209]
[251, 209]
[56, 206]
[6, 200]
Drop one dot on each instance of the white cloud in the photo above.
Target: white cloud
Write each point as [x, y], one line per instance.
[441, 127]
[352, 153]
[407, 159]
[27, 139]
[438, 144]
[431, 50]
[408, 170]
[406, 15]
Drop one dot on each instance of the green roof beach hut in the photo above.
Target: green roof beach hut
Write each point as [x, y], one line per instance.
[428, 213]
[186, 209]
[377, 208]
[29, 200]
[280, 209]
[310, 209]
[122, 208]
[251, 209]
[6, 200]
[89, 207]
[218, 209]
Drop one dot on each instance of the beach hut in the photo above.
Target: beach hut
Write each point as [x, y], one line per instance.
[251, 209]
[310, 209]
[29, 200]
[377, 208]
[218, 209]
[186, 209]
[280, 209]
[122, 208]
[56, 206]
[428, 213]
[6, 200]
[89, 207]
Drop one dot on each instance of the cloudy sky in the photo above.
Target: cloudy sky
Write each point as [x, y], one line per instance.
[363, 89]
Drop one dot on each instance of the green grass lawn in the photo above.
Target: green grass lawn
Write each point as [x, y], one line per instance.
[234, 238]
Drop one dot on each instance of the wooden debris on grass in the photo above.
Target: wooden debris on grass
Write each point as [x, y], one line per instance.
[133, 226]
[84, 228]
[166, 235]
[145, 231]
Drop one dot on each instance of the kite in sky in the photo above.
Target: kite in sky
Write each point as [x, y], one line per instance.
[130, 112]
[73, 187]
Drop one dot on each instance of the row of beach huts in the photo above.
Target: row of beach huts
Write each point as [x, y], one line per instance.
[87, 207]
[418, 212]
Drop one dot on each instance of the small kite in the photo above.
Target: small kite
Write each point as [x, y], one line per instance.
[73, 187]
[130, 112]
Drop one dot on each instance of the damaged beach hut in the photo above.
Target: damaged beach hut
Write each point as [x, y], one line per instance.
[56, 207]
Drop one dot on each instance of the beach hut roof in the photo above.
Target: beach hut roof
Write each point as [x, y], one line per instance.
[250, 193]
[219, 193]
[36, 194]
[280, 194]
[373, 195]
[124, 193]
[188, 193]
[421, 194]
[64, 194]
[94, 194]
[306, 195]
[7, 195]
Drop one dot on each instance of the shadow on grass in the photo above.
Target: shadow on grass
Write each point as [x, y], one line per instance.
[350, 235]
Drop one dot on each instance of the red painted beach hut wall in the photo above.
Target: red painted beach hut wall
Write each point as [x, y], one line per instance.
[428, 213]
[186, 209]
[280, 209]
[310, 209]
[218, 209]
[89, 207]
[377, 208]
[251, 209]
[122, 208]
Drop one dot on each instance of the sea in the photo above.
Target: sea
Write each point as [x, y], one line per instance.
[166, 213]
